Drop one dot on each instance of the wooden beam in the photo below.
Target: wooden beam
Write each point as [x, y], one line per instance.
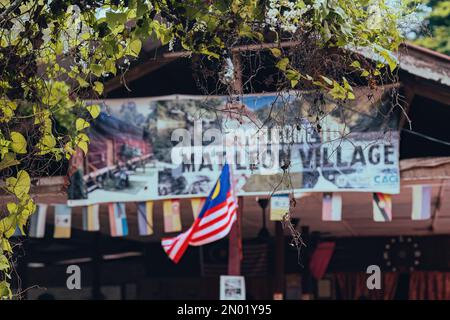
[349, 228]
[427, 88]
[237, 49]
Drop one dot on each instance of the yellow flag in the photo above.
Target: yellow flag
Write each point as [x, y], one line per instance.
[63, 221]
[197, 206]
[172, 219]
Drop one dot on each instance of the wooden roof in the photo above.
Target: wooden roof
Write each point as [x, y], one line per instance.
[423, 67]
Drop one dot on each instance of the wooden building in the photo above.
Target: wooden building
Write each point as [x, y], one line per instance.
[414, 255]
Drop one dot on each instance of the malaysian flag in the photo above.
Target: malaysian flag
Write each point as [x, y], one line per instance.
[214, 221]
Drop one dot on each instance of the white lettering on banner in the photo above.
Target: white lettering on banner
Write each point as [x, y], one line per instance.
[175, 147]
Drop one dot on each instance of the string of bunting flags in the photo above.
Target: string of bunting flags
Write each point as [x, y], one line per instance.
[117, 214]
[279, 205]
[382, 205]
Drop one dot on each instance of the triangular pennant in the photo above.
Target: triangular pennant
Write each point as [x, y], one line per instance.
[145, 218]
[382, 207]
[37, 221]
[117, 219]
[91, 220]
[279, 206]
[421, 202]
[63, 221]
[331, 207]
[172, 219]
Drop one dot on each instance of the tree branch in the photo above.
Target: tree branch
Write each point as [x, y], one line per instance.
[8, 10]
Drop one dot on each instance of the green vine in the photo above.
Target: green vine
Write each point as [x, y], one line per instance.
[54, 54]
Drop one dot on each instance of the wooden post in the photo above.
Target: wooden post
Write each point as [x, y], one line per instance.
[235, 245]
[22, 270]
[278, 293]
[238, 83]
[96, 268]
[307, 279]
[409, 97]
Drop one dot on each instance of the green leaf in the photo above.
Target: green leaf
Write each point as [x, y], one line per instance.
[326, 31]
[8, 161]
[83, 83]
[327, 80]
[114, 18]
[294, 83]
[4, 263]
[94, 110]
[5, 246]
[48, 141]
[356, 64]
[98, 87]
[18, 143]
[350, 96]
[110, 66]
[292, 74]
[96, 69]
[275, 52]
[389, 58]
[82, 137]
[347, 85]
[5, 291]
[8, 225]
[282, 64]
[59, 47]
[81, 124]
[20, 185]
[83, 146]
[135, 47]
[12, 207]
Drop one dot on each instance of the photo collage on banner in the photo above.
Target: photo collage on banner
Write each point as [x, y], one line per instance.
[147, 149]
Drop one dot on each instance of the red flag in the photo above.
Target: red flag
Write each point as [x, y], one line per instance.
[321, 258]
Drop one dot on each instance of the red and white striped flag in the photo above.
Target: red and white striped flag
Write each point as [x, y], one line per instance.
[213, 223]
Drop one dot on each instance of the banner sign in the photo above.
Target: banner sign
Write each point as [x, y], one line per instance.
[174, 147]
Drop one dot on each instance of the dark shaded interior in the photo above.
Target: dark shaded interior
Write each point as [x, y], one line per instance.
[430, 118]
